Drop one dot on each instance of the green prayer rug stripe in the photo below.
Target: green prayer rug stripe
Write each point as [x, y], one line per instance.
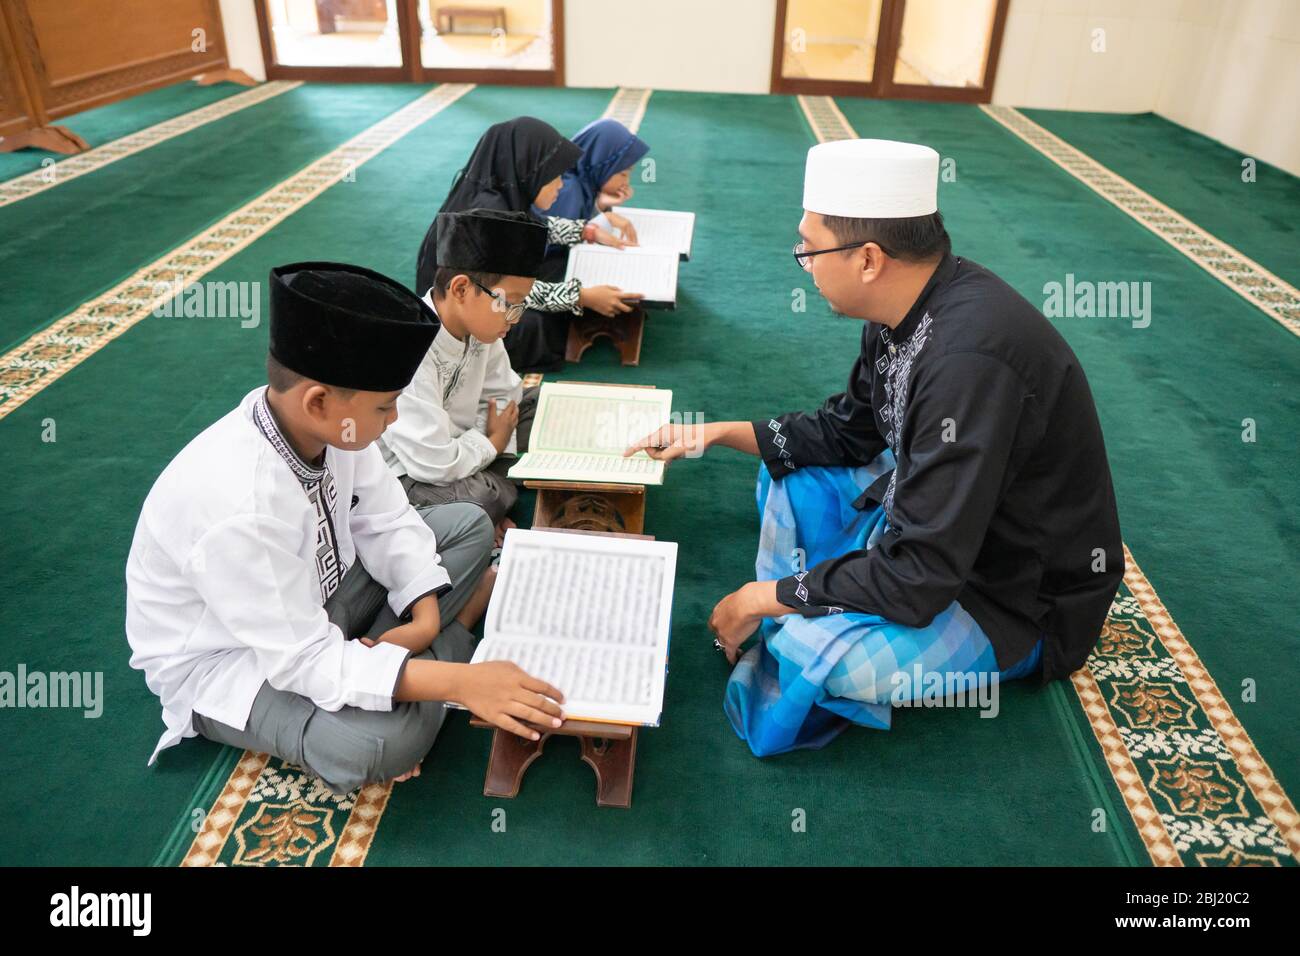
[56, 350]
[64, 246]
[1249, 204]
[1272, 294]
[103, 124]
[21, 187]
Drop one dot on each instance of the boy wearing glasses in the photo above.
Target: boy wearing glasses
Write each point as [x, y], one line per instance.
[466, 408]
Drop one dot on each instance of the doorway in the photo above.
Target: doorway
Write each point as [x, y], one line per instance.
[518, 42]
[889, 49]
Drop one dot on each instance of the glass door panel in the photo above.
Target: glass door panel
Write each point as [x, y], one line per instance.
[944, 42]
[509, 35]
[335, 33]
[831, 40]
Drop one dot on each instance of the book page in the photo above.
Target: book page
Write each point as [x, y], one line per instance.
[573, 466]
[656, 228]
[589, 614]
[650, 272]
[580, 431]
[597, 419]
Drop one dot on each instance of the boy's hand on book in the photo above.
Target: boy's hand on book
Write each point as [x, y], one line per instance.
[672, 441]
[608, 300]
[503, 694]
[501, 424]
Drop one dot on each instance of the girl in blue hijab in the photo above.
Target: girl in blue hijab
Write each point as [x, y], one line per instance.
[600, 179]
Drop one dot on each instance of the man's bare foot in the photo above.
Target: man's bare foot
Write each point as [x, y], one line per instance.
[478, 601]
[504, 525]
[413, 772]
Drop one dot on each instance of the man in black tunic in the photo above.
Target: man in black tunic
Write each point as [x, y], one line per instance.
[949, 518]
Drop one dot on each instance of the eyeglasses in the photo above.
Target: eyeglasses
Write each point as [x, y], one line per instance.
[804, 256]
[514, 310]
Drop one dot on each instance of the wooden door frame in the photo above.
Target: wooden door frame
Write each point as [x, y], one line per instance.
[882, 85]
[412, 70]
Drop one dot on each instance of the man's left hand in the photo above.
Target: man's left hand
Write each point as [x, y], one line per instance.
[738, 615]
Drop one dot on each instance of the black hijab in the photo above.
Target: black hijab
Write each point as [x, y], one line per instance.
[509, 166]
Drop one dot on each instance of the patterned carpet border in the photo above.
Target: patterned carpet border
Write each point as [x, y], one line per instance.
[1274, 296]
[37, 181]
[54, 351]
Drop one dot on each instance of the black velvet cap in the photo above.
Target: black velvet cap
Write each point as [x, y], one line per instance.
[491, 241]
[347, 326]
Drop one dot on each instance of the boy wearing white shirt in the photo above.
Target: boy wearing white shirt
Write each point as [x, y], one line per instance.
[278, 535]
[451, 442]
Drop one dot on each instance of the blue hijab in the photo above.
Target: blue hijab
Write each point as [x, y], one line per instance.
[608, 147]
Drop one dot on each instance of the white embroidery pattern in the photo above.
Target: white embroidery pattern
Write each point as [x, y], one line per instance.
[898, 376]
[779, 441]
[449, 372]
[318, 485]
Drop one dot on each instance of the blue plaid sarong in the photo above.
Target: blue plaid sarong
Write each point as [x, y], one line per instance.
[808, 678]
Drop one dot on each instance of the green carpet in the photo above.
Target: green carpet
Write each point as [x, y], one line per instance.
[107, 123]
[91, 232]
[1206, 516]
[1196, 176]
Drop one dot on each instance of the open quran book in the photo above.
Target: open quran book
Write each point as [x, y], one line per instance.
[580, 431]
[650, 272]
[656, 228]
[589, 614]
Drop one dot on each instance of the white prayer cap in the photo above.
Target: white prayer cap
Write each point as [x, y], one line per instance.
[871, 179]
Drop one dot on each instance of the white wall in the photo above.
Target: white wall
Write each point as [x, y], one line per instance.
[722, 46]
[1236, 78]
[243, 47]
[1227, 68]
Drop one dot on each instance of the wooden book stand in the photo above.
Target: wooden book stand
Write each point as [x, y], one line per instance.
[589, 506]
[606, 507]
[625, 330]
[609, 749]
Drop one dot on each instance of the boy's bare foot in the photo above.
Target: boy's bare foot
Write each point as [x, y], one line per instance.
[413, 772]
[478, 601]
[504, 525]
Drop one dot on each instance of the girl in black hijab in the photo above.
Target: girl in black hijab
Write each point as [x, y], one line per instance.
[516, 165]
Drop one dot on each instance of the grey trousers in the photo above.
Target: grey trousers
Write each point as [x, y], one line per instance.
[351, 747]
[490, 489]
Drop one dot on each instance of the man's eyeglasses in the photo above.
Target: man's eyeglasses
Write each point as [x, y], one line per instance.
[514, 310]
[803, 255]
